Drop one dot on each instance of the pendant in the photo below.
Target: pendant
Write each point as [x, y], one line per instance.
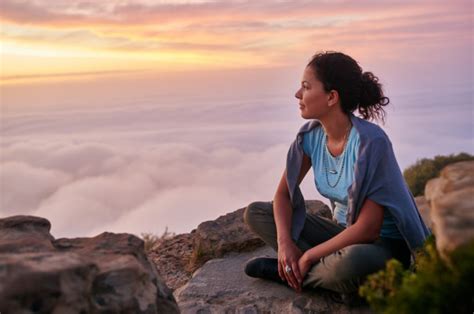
[333, 171]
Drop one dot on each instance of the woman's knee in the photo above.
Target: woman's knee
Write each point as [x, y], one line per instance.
[255, 212]
[344, 270]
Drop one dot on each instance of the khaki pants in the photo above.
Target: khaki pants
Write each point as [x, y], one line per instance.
[342, 271]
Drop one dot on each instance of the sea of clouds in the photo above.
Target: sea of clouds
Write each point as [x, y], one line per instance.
[149, 153]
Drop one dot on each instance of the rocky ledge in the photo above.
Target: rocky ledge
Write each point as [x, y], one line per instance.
[206, 270]
[109, 273]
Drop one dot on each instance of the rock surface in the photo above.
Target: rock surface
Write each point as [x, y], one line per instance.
[425, 210]
[221, 286]
[229, 233]
[451, 198]
[172, 258]
[107, 273]
[178, 257]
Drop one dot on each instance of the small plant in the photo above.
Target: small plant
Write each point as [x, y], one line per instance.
[200, 256]
[151, 240]
[432, 286]
[381, 286]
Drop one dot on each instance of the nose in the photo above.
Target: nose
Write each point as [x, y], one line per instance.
[298, 94]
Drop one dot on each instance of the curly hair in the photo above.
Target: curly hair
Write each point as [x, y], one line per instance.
[357, 89]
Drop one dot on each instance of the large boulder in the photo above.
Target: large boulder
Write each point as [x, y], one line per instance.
[451, 198]
[106, 273]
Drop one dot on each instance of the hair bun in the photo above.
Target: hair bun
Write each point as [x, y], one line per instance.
[371, 96]
[369, 77]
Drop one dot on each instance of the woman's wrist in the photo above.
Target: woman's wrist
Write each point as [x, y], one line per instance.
[310, 256]
[306, 260]
[284, 240]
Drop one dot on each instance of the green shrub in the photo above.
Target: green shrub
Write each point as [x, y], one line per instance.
[425, 169]
[431, 286]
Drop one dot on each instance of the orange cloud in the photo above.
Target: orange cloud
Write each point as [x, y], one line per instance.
[134, 35]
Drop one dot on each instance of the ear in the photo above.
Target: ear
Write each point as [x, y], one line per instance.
[333, 98]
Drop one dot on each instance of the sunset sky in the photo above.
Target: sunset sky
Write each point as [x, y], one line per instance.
[134, 116]
[50, 37]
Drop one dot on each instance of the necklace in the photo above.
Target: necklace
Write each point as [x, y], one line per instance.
[339, 158]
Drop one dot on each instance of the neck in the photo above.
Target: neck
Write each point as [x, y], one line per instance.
[336, 126]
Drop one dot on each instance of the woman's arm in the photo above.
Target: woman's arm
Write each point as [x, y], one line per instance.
[288, 252]
[365, 230]
[282, 204]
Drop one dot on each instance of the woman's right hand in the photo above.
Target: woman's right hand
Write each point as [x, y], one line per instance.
[289, 254]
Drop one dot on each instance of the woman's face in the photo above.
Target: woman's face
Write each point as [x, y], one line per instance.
[313, 99]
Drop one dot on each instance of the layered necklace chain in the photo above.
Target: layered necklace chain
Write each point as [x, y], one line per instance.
[339, 159]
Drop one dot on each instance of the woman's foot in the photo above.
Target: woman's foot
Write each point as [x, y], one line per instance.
[263, 267]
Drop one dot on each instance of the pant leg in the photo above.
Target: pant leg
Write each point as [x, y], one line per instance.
[259, 217]
[318, 229]
[344, 270]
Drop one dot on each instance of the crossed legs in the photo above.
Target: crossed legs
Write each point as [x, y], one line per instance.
[341, 271]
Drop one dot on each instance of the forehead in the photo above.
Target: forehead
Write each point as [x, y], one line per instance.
[309, 75]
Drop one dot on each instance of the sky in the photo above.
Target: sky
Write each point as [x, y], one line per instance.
[134, 116]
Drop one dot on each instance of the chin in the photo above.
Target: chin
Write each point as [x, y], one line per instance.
[304, 115]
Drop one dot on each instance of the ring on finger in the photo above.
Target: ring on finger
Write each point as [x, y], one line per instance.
[288, 269]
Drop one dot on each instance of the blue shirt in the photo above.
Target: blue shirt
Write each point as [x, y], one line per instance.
[314, 146]
[376, 176]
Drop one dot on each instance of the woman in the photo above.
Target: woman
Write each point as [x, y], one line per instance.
[375, 217]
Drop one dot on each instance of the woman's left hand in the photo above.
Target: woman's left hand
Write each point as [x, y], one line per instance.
[304, 264]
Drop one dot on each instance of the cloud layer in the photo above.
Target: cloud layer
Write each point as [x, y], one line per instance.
[85, 189]
[143, 164]
[152, 162]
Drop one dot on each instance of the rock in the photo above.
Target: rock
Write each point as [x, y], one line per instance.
[318, 208]
[229, 233]
[176, 258]
[106, 273]
[25, 234]
[45, 283]
[433, 188]
[452, 206]
[424, 209]
[172, 257]
[221, 286]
